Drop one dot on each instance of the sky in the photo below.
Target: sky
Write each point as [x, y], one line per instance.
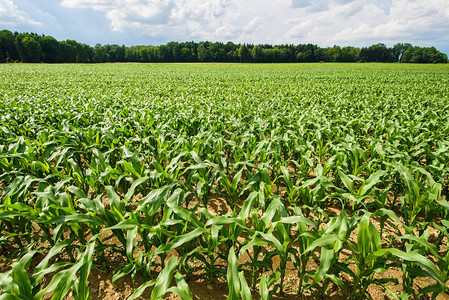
[152, 22]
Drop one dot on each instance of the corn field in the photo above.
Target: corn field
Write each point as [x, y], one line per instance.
[337, 173]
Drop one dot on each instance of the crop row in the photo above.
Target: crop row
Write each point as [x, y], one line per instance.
[237, 171]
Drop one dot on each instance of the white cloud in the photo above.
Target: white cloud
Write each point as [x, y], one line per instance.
[253, 24]
[326, 22]
[11, 15]
[126, 14]
[362, 21]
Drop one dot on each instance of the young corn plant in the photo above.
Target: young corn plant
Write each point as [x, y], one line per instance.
[332, 239]
[162, 284]
[17, 284]
[238, 286]
[368, 242]
[307, 233]
[419, 197]
[357, 197]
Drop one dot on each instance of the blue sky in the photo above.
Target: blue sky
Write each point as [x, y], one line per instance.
[152, 22]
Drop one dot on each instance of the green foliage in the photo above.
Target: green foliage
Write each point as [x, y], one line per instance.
[30, 47]
[243, 171]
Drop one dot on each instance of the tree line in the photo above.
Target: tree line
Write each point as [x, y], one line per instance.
[34, 48]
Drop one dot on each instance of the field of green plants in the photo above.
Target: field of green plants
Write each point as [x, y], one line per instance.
[312, 180]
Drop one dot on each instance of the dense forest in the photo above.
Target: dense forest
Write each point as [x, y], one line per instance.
[34, 48]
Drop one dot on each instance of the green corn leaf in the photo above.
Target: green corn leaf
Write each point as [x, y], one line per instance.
[9, 297]
[62, 281]
[286, 176]
[327, 240]
[164, 279]
[224, 220]
[236, 179]
[123, 272]
[370, 182]
[182, 239]
[233, 276]
[326, 260]
[244, 289]
[129, 167]
[254, 241]
[296, 220]
[127, 224]
[131, 235]
[416, 258]
[78, 192]
[434, 289]
[270, 238]
[195, 157]
[346, 181]
[420, 240]
[117, 206]
[42, 268]
[263, 288]
[133, 187]
[363, 237]
[247, 205]
[139, 291]
[20, 277]
[335, 279]
[181, 289]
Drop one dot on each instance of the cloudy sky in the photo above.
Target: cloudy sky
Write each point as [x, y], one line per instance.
[322, 22]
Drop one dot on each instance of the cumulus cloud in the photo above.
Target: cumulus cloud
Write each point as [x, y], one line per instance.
[128, 14]
[253, 24]
[10, 15]
[342, 23]
[325, 22]
[362, 21]
[315, 6]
